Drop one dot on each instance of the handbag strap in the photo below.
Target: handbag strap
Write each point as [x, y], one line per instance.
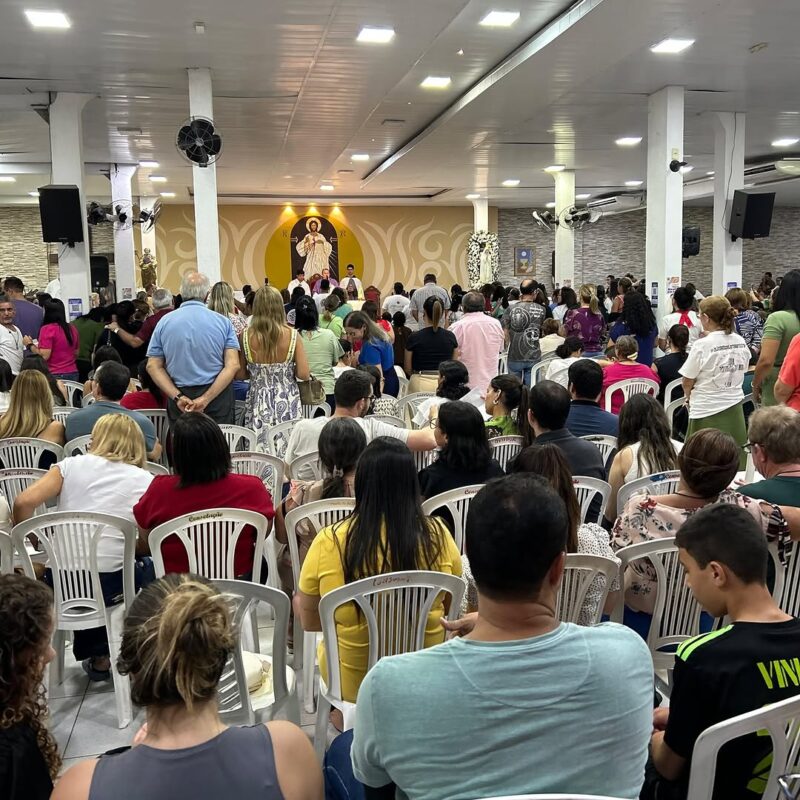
[292, 345]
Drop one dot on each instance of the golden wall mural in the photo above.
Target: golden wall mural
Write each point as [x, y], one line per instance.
[385, 243]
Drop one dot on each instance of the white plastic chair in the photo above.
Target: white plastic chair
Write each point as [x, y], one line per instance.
[671, 391]
[15, 481]
[657, 483]
[395, 609]
[587, 489]
[87, 401]
[209, 540]
[309, 412]
[300, 466]
[402, 380]
[278, 437]
[607, 445]
[580, 572]
[424, 458]
[74, 393]
[239, 439]
[156, 469]
[70, 541]
[409, 405]
[317, 515]
[676, 615]
[630, 387]
[78, 446]
[389, 420]
[786, 589]
[268, 468]
[456, 501]
[160, 420]
[780, 721]
[25, 453]
[506, 448]
[6, 554]
[539, 369]
[236, 704]
[60, 413]
[670, 410]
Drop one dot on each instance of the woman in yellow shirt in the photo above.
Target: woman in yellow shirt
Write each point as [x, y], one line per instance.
[387, 532]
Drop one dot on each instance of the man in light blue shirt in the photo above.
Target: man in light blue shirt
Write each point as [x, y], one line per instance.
[193, 355]
[523, 703]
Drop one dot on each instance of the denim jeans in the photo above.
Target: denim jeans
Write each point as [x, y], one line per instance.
[337, 769]
[522, 369]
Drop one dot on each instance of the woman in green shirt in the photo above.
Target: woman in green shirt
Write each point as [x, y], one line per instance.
[502, 397]
[329, 320]
[344, 308]
[782, 325]
[323, 350]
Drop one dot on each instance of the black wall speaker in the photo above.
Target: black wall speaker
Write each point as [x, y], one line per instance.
[751, 215]
[691, 242]
[99, 268]
[62, 214]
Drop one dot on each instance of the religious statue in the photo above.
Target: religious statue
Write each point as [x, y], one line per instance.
[486, 271]
[315, 247]
[148, 267]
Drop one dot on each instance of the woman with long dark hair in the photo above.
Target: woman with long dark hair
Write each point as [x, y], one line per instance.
[387, 532]
[453, 380]
[569, 301]
[619, 290]
[782, 325]
[124, 317]
[148, 397]
[566, 354]
[503, 397]
[428, 347]
[637, 320]
[465, 457]
[57, 343]
[376, 348]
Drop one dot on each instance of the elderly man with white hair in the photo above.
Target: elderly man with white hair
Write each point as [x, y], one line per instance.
[162, 305]
[193, 355]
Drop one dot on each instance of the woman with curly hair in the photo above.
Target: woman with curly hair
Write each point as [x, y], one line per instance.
[29, 759]
[637, 320]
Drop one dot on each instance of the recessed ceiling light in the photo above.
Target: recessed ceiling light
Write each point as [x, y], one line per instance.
[634, 183]
[686, 168]
[48, 19]
[435, 82]
[555, 168]
[148, 164]
[710, 173]
[788, 142]
[158, 179]
[326, 187]
[582, 196]
[460, 51]
[511, 182]
[359, 157]
[500, 19]
[33, 194]
[549, 205]
[375, 35]
[199, 28]
[167, 194]
[473, 197]
[628, 141]
[7, 179]
[672, 46]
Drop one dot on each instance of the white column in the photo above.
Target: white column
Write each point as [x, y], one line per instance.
[664, 246]
[124, 256]
[481, 207]
[66, 148]
[565, 237]
[206, 215]
[149, 236]
[728, 177]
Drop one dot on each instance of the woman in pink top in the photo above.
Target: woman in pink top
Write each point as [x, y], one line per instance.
[58, 342]
[625, 367]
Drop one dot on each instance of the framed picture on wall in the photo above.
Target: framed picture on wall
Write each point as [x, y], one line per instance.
[524, 261]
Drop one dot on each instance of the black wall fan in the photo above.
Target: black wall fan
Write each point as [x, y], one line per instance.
[198, 141]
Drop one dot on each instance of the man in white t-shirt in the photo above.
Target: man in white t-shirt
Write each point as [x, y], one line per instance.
[354, 397]
[682, 302]
[397, 301]
[12, 348]
[324, 291]
[299, 280]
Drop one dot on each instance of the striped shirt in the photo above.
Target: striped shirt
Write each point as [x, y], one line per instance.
[421, 295]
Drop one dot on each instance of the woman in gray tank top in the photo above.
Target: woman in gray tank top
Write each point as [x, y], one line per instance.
[176, 641]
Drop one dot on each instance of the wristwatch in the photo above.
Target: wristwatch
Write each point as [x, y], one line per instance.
[177, 397]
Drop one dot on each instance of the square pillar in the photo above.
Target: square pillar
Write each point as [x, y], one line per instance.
[124, 256]
[565, 236]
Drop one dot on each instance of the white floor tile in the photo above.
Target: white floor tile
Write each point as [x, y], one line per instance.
[63, 713]
[96, 728]
[74, 685]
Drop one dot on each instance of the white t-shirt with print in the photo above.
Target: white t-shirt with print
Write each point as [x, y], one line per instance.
[717, 363]
[396, 302]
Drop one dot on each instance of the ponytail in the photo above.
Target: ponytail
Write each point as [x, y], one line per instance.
[434, 311]
[589, 295]
[523, 423]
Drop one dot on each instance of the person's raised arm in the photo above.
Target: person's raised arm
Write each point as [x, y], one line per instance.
[46, 488]
[130, 339]
[421, 440]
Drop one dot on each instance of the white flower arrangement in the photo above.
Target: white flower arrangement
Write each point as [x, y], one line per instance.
[491, 246]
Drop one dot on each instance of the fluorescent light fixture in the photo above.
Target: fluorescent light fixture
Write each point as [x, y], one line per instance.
[148, 164]
[7, 179]
[359, 157]
[549, 205]
[500, 19]
[628, 141]
[33, 194]
[511, 182]
[167, 194]
[158, 179]
[585, 196]
[687, 168]
[672, 46]
[48, 19]
[787, 142]
[555, 168]
[326, 187]
[473, 197]
[436, 82]
[375, 35]
[633, 183]
[710, 173]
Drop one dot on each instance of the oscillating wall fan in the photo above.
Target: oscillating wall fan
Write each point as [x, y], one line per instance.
[198, 141]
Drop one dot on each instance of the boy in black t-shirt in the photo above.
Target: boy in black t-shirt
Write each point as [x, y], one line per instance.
[753, 662]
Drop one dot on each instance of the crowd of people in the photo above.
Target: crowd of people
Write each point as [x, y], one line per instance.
[494, 362]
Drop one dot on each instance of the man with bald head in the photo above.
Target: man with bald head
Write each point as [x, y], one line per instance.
[480, 340]
[193, 355]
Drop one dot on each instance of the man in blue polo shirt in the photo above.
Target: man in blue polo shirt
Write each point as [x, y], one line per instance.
[193, 355]
[586, 418]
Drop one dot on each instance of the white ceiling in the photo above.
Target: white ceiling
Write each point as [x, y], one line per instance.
[296, 95]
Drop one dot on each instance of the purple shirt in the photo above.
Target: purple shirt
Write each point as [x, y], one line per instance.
[28, 318]
[587, 327]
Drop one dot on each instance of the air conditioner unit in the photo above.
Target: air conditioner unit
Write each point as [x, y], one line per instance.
[618, 204]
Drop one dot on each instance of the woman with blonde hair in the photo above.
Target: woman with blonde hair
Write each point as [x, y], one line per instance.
[30, 410]
[176, 641]
[428, 347]
[586, 322]
[110, 477]
[274, 357]
[220, 300]
[713, 373]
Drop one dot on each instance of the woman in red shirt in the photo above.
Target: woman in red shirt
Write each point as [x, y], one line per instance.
[202, 480]
[624, 368]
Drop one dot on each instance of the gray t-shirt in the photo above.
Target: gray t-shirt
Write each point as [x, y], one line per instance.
[81, 422]
[523, 321]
